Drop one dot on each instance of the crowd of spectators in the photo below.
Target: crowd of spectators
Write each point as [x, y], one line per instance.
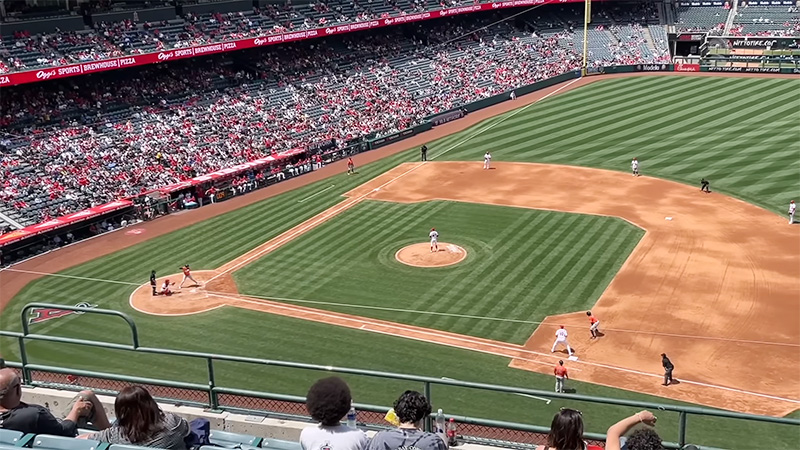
[139, 420]
[85, 141]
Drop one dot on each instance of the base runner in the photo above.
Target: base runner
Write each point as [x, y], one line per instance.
[593, 324]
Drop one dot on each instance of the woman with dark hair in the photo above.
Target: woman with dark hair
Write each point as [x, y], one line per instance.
[566, 431]
[328, 401]
[411, 409]
[141, 422]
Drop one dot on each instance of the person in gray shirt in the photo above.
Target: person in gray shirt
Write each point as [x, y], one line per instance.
[411, 408]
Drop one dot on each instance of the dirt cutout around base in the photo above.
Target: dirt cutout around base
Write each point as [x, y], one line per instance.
[421, 255]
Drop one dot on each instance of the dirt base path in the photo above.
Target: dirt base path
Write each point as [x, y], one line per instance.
[713, 283]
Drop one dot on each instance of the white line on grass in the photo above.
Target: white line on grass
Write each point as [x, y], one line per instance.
[547, 401]
[316, 194]
[74, 277]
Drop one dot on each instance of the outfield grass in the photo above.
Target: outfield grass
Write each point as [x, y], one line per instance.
[740, 133]
[522, 265]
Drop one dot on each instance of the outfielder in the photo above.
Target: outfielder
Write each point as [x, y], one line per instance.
[792, 208]
[487, 159]
[594, 323]
[561, 338]
[187, 275]
[635, 167]
[434, 240]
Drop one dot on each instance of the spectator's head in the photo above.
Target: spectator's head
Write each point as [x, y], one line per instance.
[412, 407]
[566, 430]
[137, 413]
[644, 439]
[10, 388]
[328, 400]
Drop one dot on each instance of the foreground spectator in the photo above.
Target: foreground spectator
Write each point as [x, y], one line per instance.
[19, 416]
[566, 432]
[411, 408]
[641, 439]
[141, 422]
[328, 401]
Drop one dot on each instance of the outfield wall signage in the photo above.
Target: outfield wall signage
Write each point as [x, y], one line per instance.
[745, 69]
[52, 73]
[447, 117]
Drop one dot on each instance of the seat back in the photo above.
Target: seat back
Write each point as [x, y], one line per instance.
[64, 443]
[222, 438]
[10, 437]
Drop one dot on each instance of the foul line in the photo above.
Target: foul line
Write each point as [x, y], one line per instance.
[316, 194]
[506, 347]
[74, 277]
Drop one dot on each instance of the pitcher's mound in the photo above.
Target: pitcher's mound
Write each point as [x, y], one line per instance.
[420, 255]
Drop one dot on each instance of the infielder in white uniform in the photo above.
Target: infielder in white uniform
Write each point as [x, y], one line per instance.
[635, 167]
[434, 240]
[561, 338]
[487, 159]
[792, 207]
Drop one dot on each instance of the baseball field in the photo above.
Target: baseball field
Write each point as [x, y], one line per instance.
[312, 271]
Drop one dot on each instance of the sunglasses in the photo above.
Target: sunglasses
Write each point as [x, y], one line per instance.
[570, 409]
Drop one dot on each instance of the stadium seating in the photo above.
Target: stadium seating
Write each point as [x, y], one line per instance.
[768, 20]
[76, 148]
[229, 439]
[13, 438]
[701, 18]
[46, 442]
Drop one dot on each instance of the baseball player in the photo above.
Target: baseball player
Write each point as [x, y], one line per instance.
[187, 275]
[153, 282]
[668, 368]
[792, 207]
[561, 338]
[593, 324]
[165, 288]
[561, 374]
[635, 167]
[351, 166]
[434, 240]
[423, 153]
[705, 185]
[487, 159]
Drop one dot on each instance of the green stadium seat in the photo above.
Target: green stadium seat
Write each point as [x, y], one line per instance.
[8, 447]
[13, 438]
[44, 441]
[227, 438]
[277, 444]
[130, 447]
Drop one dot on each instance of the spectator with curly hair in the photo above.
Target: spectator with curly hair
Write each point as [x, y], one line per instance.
[328, 401]
[411, 409]
[644, 438]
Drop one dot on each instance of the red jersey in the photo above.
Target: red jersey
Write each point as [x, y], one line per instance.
[349, 161]
[560, 371]
[185, 270]
[592, 319]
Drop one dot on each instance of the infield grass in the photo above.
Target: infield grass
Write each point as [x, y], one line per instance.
[522, 265]
[742, 134]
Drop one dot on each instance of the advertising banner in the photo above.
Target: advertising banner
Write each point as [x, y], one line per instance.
[51, 73]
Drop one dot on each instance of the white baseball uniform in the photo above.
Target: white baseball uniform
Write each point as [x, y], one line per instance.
[561, 338]
[487, 159]
[434, 240]
[792, 208]
[635, 167]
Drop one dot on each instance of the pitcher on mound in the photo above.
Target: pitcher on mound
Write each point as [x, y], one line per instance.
[434, 240]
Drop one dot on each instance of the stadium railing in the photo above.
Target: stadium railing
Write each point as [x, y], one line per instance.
[216, 397]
